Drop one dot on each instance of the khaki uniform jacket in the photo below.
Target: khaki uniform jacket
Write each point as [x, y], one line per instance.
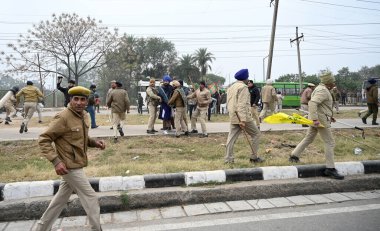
[176, 99]
[30, 94]
[373, 94]
[152, 96]
[69, 132]
[203, 98]
[238, 100]
[118, 101]
[10, 102]
[335, 94]
[268, 94]
[320, 105]
[306, 95]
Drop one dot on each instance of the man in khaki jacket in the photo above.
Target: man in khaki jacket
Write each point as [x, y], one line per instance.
[203, 97]
[153, 100]
[118, 101]
[268, 98]
[179, 100]
[238, 102]
[372, 102]
[321, 112]
[69, 133]
[31, 96]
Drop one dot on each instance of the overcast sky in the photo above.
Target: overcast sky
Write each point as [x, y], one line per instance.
[340, 33]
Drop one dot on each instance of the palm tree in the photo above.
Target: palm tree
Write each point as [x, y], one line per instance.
[203, 58]
[188, 68]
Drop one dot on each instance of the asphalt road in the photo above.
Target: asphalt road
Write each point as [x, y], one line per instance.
[345, 216]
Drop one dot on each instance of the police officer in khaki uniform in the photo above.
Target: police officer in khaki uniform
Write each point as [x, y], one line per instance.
[10, 105]
[69, 133]
[268, 98]
[238, 101]
[179, 101]
[118, 101]
[31, 96]
[153, 100]
[321, 112]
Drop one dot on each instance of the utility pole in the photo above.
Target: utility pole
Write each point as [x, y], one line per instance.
[298, 38]
[272, 38]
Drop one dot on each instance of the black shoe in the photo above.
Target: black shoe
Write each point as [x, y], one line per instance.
[364, 120]
[294, 159]
[6, 122]
[111, 128]
[374, 123]
[115, 140]
[177, 136]
[120, 131]
[154, 130]
[149, 131]
[40, 121]
[8, 119]
[22, 128]
[256, 160]
[333, 173]
[186, 133]
[304, 126]
[203, 135]
[26, 129]
[194, 131]
[95, 127]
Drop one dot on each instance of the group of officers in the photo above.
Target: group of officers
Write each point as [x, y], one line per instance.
[64, 143]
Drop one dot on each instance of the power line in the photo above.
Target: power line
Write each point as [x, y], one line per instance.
[368, 1]
[332, 4]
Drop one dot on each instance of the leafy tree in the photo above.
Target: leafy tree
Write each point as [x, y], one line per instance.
[211, 78]
[186, 70]
[71, 42]
[203, 59]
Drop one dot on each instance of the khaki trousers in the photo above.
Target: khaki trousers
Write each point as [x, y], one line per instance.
[10, 111]
[118, 119]
[234, 133]
[179, 120]
[29, 109]
[336, 105]
[255, 115]
[39, 111]
[268, 109]
[152, 116]
[327, 138]
[305, 108]
[201, 114]
[75, 181]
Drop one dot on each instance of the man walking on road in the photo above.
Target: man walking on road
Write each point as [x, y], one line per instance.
[321, 112]
[255, 98]
[268, 98]
[69, 133]
[31, 95]
[239, 109]
[372, 102]
[118, 101]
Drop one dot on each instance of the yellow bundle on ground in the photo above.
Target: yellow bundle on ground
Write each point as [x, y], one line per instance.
[282, 118]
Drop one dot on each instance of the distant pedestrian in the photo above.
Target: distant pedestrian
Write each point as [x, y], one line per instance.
[91, 105]
[344, 97]
[153, 100]
[140, 104]
[64, 90]
[336, 97]
[113, 86]
[321, 113]
[10, 105]
[372, 101]
[203, 97]
[97, 104]
[179, 101]
[280, 98]
[31, 95]
[64, 144]
[254, 101]
[239, 109]
[118, 101]
[268, 98]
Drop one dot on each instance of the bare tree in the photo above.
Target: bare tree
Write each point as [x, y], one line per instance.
[67, 42]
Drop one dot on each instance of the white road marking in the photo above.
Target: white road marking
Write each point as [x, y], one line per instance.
[239, 220]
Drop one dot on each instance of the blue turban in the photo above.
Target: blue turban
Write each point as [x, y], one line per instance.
[167, 78]
[242, 74]
[372, 81]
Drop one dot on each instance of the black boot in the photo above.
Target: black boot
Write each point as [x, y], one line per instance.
[8, 119]
[294, 159]
[374, 122]
[333, 173]
[364, 120]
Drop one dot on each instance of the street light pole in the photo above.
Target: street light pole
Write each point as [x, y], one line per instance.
[264, 67]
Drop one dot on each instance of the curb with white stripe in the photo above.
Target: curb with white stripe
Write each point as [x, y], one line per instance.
[23, 190]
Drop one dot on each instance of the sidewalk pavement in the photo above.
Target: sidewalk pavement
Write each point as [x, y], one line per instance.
[12, 134]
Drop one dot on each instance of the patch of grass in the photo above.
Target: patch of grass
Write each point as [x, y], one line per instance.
[22, 160]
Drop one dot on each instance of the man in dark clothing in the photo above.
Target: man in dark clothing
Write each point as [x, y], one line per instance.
[140, 103]
[65, 90]
[255, 98]
[91, 105]
[372, 101]
[165, 92]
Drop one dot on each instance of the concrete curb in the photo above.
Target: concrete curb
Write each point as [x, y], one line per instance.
[179, 196]
[25, 190]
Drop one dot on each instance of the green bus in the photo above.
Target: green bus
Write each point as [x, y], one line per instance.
[291, 92]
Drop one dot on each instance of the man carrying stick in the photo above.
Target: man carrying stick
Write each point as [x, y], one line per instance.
[239, 109]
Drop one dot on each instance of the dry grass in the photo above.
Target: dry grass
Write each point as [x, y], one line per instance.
[165, 154]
